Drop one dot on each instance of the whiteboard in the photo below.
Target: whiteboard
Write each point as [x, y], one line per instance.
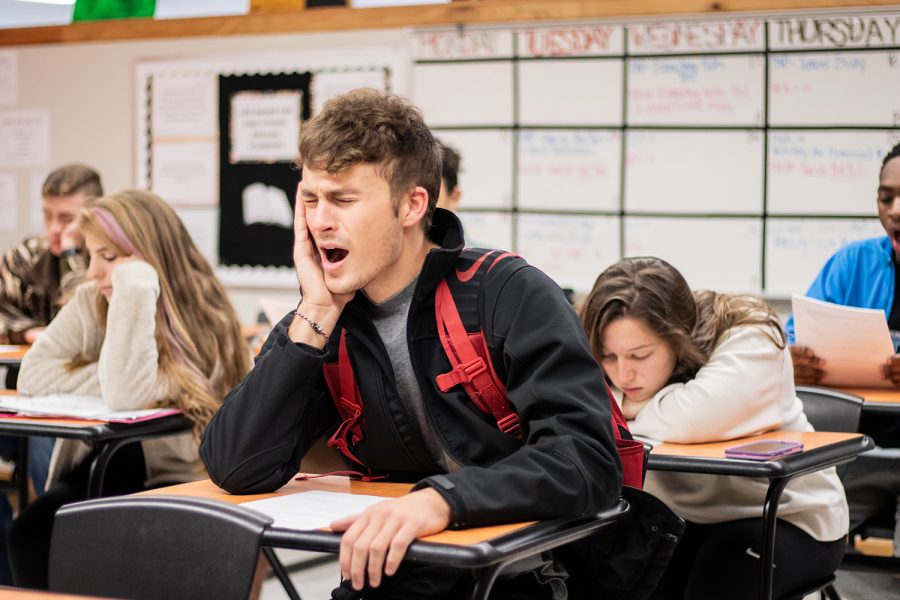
[569, 169]
[826, 172]
[572, 250]
[485, 177]
[570, 92]
[694, 171]
[720, 254]
[829, 88]
[487, 229]
[796, 249]
[705, 90]
[467, 93]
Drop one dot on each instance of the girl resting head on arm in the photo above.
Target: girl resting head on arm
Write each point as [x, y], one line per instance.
[695, 367]
[152, 327]
[201, 353]
[648, 329]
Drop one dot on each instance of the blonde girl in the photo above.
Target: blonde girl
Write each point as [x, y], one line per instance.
[152, 328]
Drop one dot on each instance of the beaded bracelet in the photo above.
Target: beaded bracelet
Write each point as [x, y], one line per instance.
[315, 326]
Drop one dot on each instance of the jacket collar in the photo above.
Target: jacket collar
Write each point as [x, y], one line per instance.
[446, 232]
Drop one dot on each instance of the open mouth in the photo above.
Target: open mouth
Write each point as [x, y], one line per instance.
[335, 255]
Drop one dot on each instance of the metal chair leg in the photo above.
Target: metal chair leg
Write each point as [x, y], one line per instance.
[281, 573]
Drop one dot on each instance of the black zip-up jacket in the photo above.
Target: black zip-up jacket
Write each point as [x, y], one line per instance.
[567, 464]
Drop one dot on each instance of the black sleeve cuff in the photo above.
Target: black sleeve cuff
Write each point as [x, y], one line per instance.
[447, 489]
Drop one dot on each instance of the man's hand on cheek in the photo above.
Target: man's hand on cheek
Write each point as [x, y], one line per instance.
[375, 541]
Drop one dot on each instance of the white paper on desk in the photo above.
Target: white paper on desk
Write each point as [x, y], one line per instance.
[312, 510]
[853, 342]
[72, 405]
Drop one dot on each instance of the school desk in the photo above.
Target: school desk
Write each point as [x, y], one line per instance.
[876, 400]
[821, 449]
[107, 438]
[486, 550]
[11, 356]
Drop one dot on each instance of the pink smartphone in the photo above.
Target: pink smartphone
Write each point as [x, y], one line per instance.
[764, 450]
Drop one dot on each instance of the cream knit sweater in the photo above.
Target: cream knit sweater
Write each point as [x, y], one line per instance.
[746, 387]
[126, 375]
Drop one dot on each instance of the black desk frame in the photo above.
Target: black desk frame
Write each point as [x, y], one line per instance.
[779, 473]
[487, 558]
[107, 438]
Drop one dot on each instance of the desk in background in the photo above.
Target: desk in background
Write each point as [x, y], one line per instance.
[486, 550]
[820, 451]
[11, 356]
[877, 400]
[107, 438]
[880, 418]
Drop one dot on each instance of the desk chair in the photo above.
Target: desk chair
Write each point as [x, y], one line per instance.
[155, 547]
[830, 410]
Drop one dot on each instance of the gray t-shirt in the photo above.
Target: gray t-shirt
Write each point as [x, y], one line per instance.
[390, 319]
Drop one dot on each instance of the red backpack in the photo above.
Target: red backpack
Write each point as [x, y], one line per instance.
[472, 369]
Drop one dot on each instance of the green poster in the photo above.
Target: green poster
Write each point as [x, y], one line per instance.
[94, 10]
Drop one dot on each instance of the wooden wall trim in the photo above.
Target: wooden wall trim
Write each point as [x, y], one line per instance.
[277, 16]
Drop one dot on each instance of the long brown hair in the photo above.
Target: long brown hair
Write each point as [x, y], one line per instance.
[201, 351]
[654, 292]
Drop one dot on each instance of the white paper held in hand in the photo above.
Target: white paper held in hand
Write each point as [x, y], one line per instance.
[853, 342]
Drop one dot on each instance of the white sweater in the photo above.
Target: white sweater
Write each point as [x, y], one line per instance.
[747, 387]
[126, 375]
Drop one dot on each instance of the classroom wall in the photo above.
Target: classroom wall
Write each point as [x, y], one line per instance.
[87, 90]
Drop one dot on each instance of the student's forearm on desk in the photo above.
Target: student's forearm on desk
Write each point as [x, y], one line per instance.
[268, 422]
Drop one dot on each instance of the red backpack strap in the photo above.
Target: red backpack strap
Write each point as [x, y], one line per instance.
[347, 400]
[631, 452]
[471, 369]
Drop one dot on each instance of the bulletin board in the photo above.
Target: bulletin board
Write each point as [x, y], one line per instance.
[744, 150]
[217, 139]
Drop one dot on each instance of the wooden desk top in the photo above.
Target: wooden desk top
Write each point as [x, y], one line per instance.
[207, 489]
[13, 354]
[810, 439]
[250, 331]
[874, 395]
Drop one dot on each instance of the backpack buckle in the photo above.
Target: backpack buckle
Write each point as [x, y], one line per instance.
[462, 374]
[510, 425]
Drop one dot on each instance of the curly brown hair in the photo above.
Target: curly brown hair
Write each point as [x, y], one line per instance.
[369, 126]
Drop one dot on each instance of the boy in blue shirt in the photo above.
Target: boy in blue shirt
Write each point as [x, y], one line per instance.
[864, 274]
